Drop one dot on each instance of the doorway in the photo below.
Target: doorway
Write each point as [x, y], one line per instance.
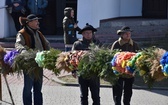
[55, 15]
[155, 8]
[50, 19]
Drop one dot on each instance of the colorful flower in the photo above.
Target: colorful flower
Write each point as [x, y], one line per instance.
[10, 56]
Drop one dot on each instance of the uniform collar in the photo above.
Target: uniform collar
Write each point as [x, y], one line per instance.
[122, 42]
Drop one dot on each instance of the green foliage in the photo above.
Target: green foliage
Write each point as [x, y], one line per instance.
[50, 59]
[26, 62]
[146, 64]
[148, 80]
[97, 62]
[108, 75]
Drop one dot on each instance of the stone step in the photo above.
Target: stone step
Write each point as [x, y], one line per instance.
[10, 45]
[51, 38]
[160, 42]
[119, 22]
[142, 28]
[56, 42]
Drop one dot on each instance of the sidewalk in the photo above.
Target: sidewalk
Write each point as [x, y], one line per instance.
[66, 95]
[56, 94]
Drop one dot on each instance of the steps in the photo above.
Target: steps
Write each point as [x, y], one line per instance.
[144, 30]
[56, 42]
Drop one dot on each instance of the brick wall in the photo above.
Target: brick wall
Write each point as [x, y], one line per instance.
[145, 31]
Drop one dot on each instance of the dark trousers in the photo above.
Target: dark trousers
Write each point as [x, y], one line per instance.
[94, 85]
[31, 83]
[126, 85]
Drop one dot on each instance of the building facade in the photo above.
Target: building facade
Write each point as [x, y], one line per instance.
[88, 11]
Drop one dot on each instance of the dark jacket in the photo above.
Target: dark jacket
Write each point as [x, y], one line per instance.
[20, 8]
[68, 27]
[37, 8]
[131, 46]
[83, 44]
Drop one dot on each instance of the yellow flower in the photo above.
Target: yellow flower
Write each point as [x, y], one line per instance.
[114, 68]
[129, 64]
[140, 58]
[161, 66]
[165, 74]
[140, 65]
[66, 58]
[142, 72]
[123, 64]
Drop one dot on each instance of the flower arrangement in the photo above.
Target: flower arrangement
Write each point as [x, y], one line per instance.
[10, 56]
[164, 64]
[122, 63]
[156, 69]
[151, 63]
[148, 65]
[25, 62]
[69, 61]
[47, 59]
[97, 62]
[61, 63]
[5, 68]
[131, 66]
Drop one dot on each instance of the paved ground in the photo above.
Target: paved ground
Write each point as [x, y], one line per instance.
[56, 94]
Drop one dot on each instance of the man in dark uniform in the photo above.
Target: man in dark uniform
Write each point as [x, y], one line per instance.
[94, 82]
[124, 43]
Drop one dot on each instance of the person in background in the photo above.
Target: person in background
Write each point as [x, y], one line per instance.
[94, 82]
[69, 27]
[16, 9]
[124, 43]
[38, 7]
[29, 37]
